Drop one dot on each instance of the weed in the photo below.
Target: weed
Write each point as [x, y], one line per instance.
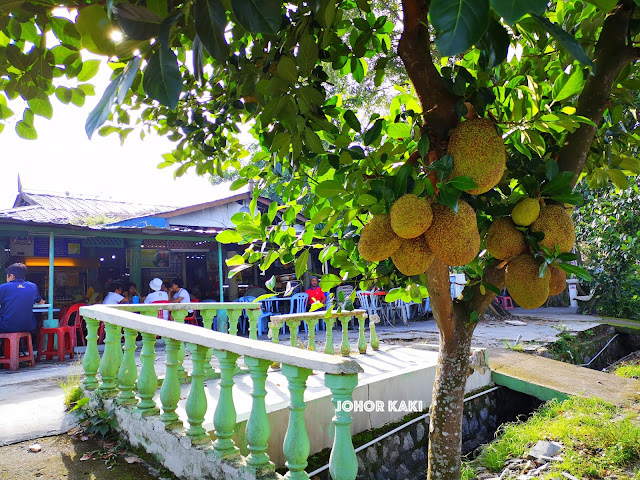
[629, 371]
[597, 439]
[468, 472]
[71, 388]
[95, 420]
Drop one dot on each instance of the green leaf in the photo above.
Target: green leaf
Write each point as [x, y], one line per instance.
[328, 189]
[235, 261]
[128, 76]
[463, 183]
[89, 70]
[228, 236]
[552, 169]
[448, 196]
[559, 183]
[26, 130]
[211, 21]
[393, 295]
[618, 178]
[287, 70]
[101, 111]
[95, 29]
[258, 16]
[357, 69]
[271, 257]
[352, 120]
[271, 283]
[567, 86]
[137, 22]
[459, 24]
[543, 269]
[41, 106]
[373, 133]
[579, 272]
[401, 180]
[563, 38]
[423, 145]
[570, 198]
[234, 271]
[495, 44]
[307, 55]
[301, 264]
[162, 80]
[399, 130]
[329, 281]
[159, 7]
[513, 10]
[312, 141]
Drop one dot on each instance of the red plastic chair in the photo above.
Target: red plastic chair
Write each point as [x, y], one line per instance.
[192, 320]
[64, 347]
[161, 312]
[506, 302]
[12, 356]
[65, 320]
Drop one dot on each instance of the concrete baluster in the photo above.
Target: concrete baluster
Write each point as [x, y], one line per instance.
[178, 317]
[343, 463]
[258, 430]
[296, 446]
[224, 418]
[170, 390]
[362, 341]
[128, 373]
[109, 365]
[253, 323]
[275, 338]
[294, 326]
[345, 348]
[328, 346]
[234, 316]
[375, 342]
[311, 325]
[197, 401]
[91, 360]
[148, 380]
[207, 322]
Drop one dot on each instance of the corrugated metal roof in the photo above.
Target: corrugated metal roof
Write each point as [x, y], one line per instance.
[74, 210]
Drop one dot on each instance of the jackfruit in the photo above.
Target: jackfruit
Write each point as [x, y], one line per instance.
[410, 216]
[557, 226]
[526, 212]
[454, 238]
[377, 240]
[413, 257]
[478, 152]
[523, 281]
[558, 281]
[504, 240]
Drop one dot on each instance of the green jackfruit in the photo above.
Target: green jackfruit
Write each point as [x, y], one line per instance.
[557, 226]
[377, 240]
[558, 280]
[524, 283]
[410, 216]
[526, 212]
[504, 240]
[413, 257]
[454, 238]
[478, 152]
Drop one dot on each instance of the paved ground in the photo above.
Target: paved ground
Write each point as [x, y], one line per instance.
[31, 405]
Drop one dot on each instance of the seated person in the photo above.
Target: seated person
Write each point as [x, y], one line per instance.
[166, 286]
[132, 291]
[180, 294]
[115, 296]
[17, 298]
[316, 295]
[157, 294]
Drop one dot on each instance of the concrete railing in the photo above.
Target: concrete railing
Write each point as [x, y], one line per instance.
[115, 376]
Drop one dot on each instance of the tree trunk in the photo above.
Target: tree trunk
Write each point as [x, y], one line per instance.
[445, 424]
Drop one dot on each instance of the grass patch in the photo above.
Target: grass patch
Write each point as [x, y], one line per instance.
[629, 371]
[598, 440]
[72, 391]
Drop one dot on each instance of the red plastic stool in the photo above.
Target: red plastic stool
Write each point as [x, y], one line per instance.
[506, 302]
[12, 355]
[65, 343]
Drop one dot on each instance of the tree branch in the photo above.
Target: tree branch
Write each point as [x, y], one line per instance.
[440, 294]
[480, 302]
[414, 48]
[612, 53]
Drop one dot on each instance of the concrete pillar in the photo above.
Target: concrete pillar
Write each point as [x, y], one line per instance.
[232, 292]
[135, 270]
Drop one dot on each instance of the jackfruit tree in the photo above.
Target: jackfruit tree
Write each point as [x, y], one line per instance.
[495, 107]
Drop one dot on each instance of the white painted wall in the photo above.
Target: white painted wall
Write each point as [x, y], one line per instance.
[214, 217]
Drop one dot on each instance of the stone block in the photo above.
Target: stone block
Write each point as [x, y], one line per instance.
[408, 442]
[420, 432]
[484, 414]
[372, 454]
[544, 448]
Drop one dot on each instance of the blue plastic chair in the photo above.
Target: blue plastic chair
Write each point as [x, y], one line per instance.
[299, 305]
[244, 318]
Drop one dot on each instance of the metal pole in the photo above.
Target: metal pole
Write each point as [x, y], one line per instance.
[220, 272]
[51, 259]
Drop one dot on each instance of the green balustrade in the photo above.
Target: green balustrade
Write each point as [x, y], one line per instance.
[224, 418]
[91, 360]
[328, 346]
[296, 446]
[311, 325]
[234, 316]
[362, 341]
[294, 326]
[197, 401]
[148, 380]
[109, 365]
[128, 369]
[223, 321]
[345, 348]
[170, 390]
[207, 322]
[178, 317]
[375, 342]
[343, 463]
[258, 430]
[253, 323]
[275, 338]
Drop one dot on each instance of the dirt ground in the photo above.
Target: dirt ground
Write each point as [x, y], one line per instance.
[60, 459]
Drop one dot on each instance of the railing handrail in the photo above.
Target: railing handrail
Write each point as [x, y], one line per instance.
[118, 315]
[319, 315]
[154, 307]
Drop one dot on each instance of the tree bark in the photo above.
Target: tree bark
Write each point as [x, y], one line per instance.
[611, 55]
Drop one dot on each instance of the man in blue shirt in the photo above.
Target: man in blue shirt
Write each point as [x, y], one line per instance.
[17, 298]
